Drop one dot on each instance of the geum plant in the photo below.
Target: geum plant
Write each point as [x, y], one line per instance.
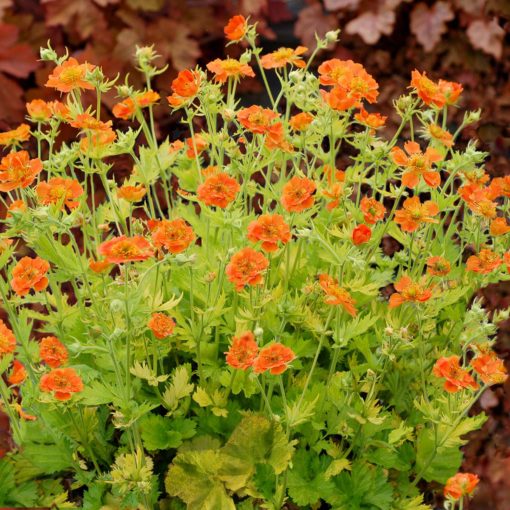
[223, 329]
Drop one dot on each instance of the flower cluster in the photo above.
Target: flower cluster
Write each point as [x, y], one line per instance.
[330, 257]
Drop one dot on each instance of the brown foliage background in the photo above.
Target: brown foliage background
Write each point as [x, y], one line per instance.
[459, 40]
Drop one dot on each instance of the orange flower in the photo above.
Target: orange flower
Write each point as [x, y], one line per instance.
[460, 485]
[256, 119]
[301, 121]
[270, 229]
[7, 340]
[59, 191]
[337, 175]
[414, 213]
[236, 28]
[229, 68]
[275, 358]
[490, 368]
[53, 352]
[417, 164]
[437, 94]
[15, 136]
[409, 292]
[500, 187]
[146, 98]
[438, 266]
[125, 109]
[474, 176]
[120, 250]
[98, 266]
[373, 211]
[185, 88]
[275, 138]
[132, 193]
[350, 80]
[17, 206]
[298, 194]
[59, 110]
[371, 120]
[29, 273]
[39, 110]
[479, 200]
[18, 373]
[485, 262]
[87, 122]
[450, 91]
[218, 190]
[336, 295]
[339, 99]
[284, 56]
[196, 145]
[175, 235]
[246, 267]
[427, 90]
[335, 192]
[440, 135]
[161, 325]
[456, 377]
[96, 142]
[70, 76]
[361, 234]
[177, 146]
[18, 170]
[243, 351]
[499, 227]
[62, 382]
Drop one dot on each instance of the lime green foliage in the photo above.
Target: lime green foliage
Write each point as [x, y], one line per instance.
[178, 353]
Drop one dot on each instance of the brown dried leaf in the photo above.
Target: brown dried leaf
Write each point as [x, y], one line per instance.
[12, 106]
[429, 24]
[253, 7]
[4, 5]
[184, 51]
[83, 16]
[336, 5]
[18, 60]
[104, 3]
[474, 7]
[487, 35]
[313, 20]
[372, 24]
[146, 5]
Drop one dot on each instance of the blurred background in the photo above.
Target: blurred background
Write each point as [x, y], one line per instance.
[458, 40]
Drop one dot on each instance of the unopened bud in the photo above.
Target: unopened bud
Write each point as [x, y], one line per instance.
[332, 36]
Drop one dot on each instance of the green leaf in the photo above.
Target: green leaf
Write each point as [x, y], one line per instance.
[307, 480]
[464, 427]
[435, 464]
[415, 503]
[48, 458]
[336, 467]
[143, 371]
[217, 400]
[96, 393]
[265, 480]
[257, 440]
[364, 488]
[301, 412]
[160, 433]
[93, 497]
[193, 477]
[179, 388]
